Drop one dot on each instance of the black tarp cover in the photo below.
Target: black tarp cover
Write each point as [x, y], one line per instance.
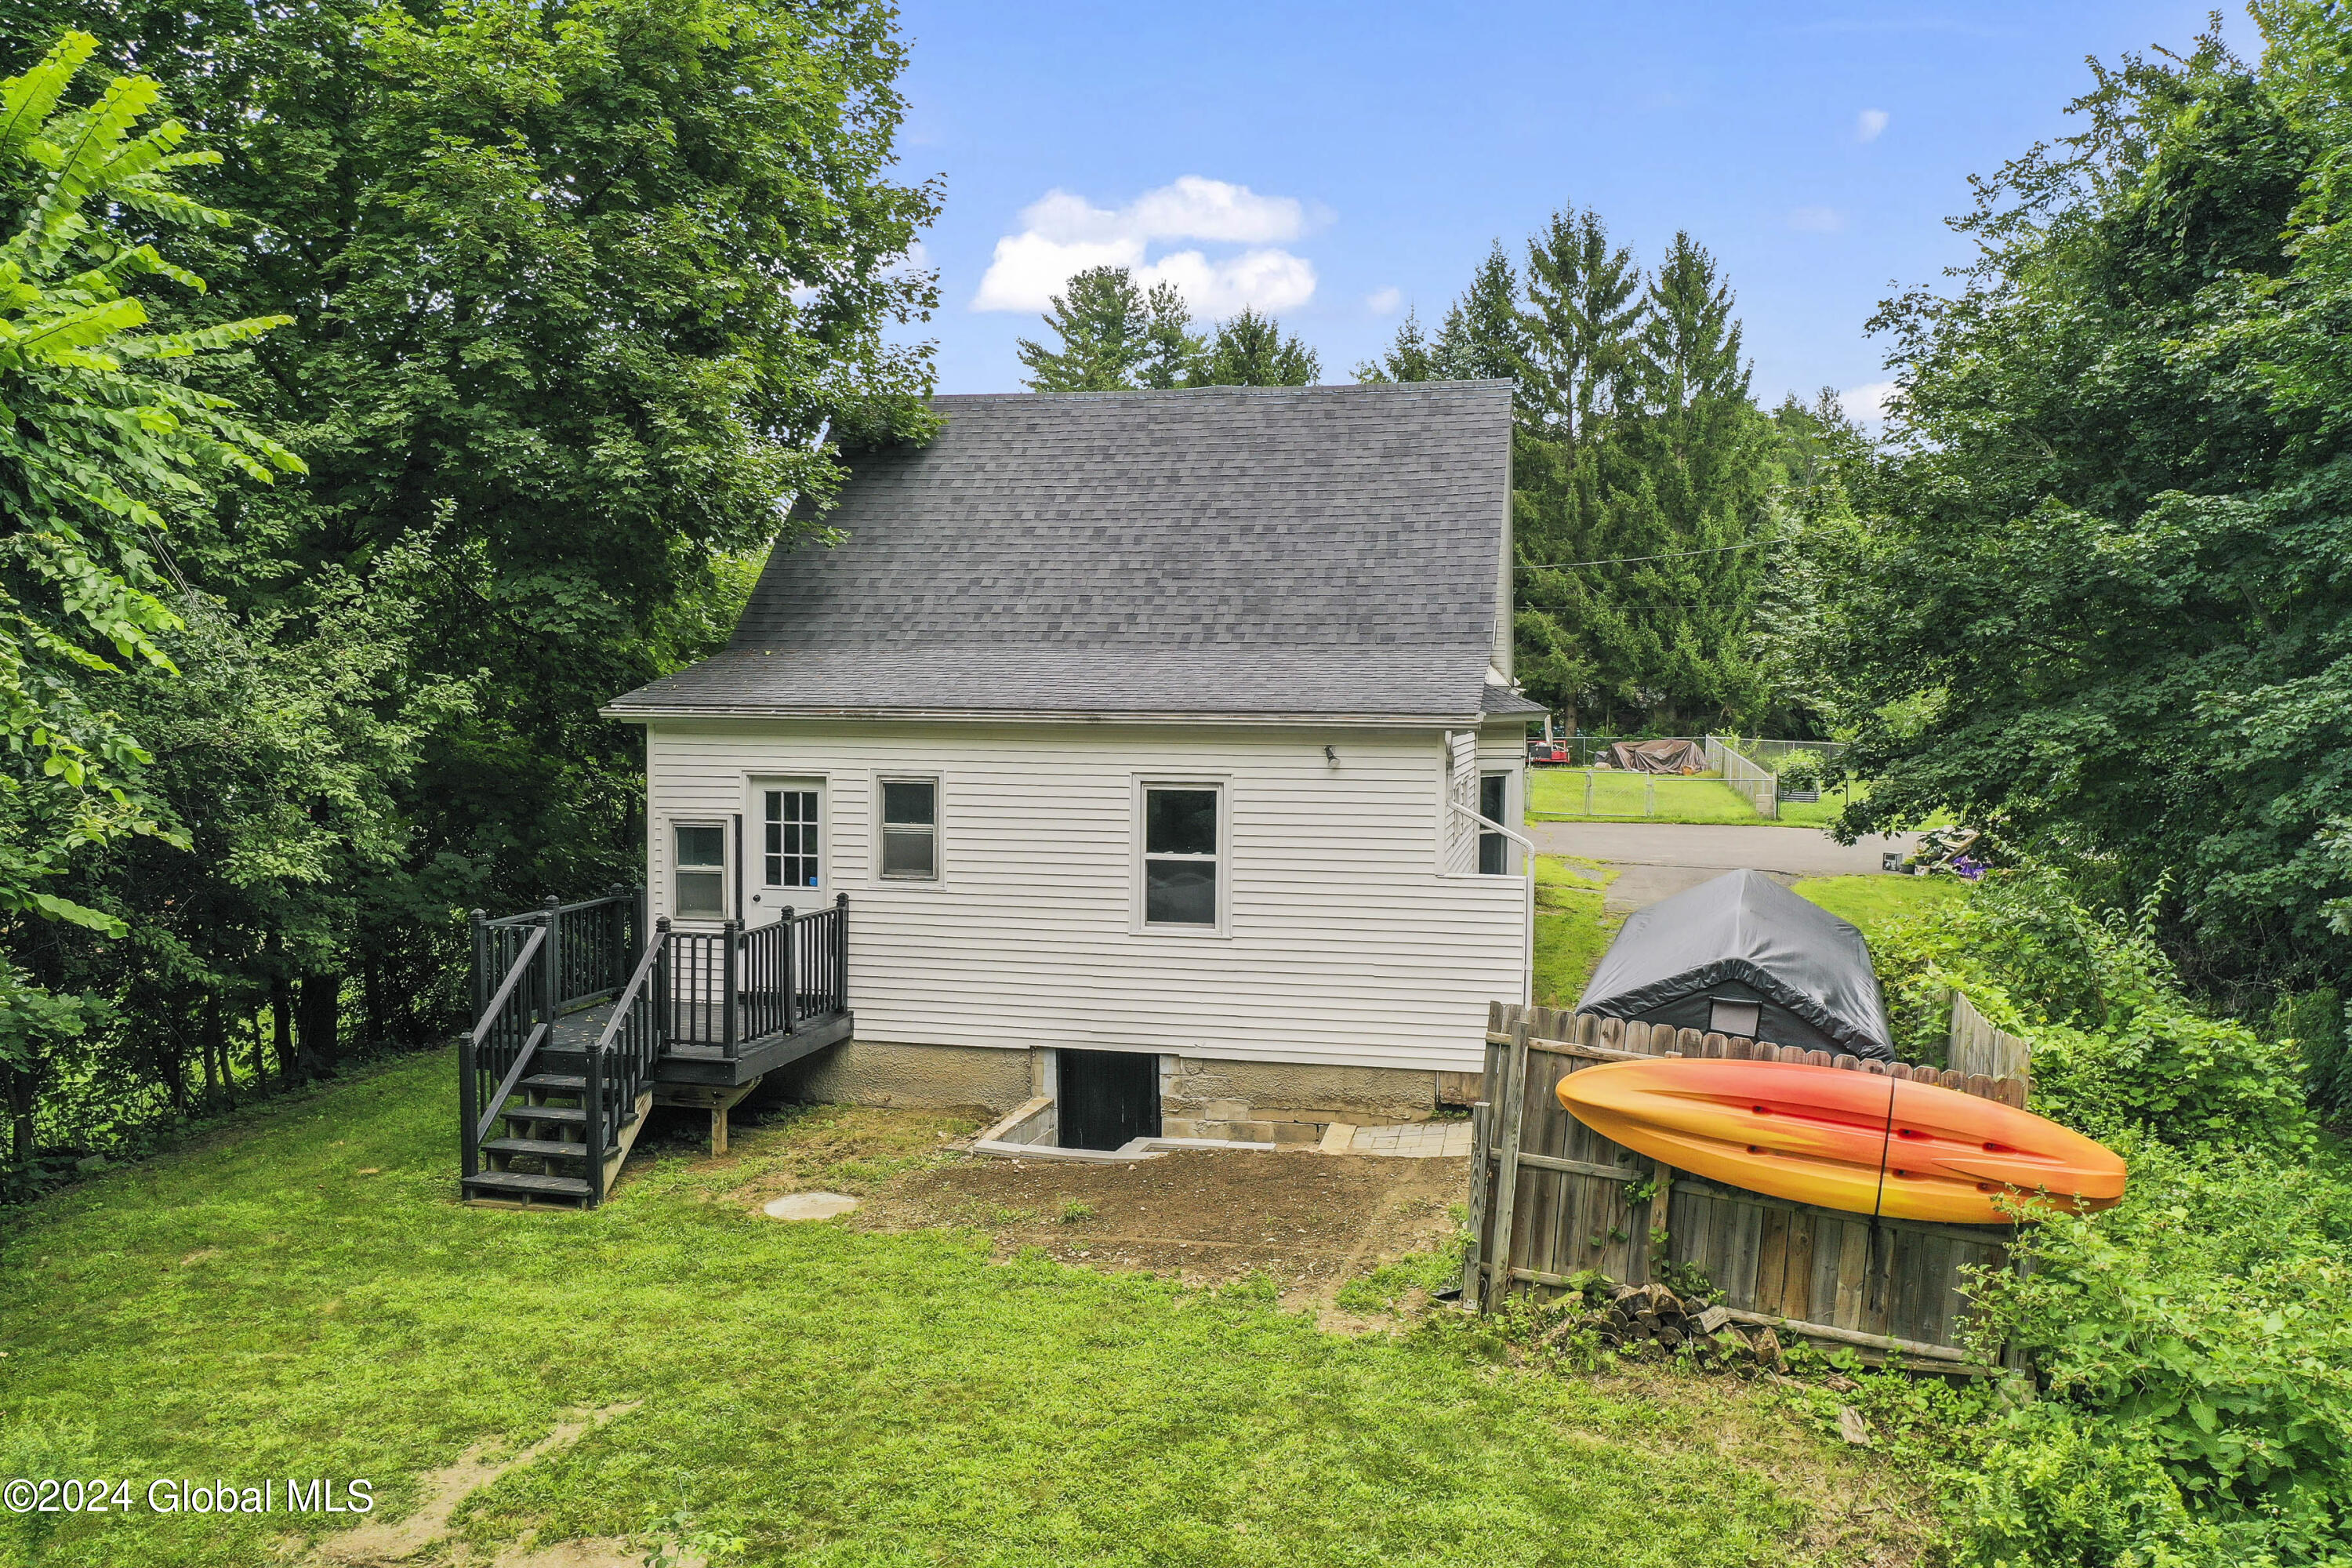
[1745, 938]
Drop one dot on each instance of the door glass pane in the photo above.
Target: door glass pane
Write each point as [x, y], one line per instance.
[1179, 822]
[789, 837]
[909, 802]
[1490, 796]
[1179, 893]
[908, 852]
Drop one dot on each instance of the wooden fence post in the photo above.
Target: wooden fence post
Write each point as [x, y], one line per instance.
[1507, 1178]
[1482, 1121]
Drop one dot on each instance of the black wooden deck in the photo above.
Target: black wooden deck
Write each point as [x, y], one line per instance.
[710, 1065]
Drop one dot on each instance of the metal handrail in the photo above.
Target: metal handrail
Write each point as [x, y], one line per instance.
[1528, 848]
[506, 988]
[514, 1076]
[529, 915]
[654, 952]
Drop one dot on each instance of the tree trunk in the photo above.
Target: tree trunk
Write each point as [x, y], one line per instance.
[217, 1049]
[20, 1117]
[374, 1029]
[321, 997]
[260, 1056]
[281, 1027]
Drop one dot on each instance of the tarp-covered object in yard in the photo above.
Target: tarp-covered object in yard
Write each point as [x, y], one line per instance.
[1658, 756]
[1743, 955]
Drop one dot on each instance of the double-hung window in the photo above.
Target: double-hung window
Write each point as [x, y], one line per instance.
[1182, 855]
[910, 829]
[699, 867]
[788, 842]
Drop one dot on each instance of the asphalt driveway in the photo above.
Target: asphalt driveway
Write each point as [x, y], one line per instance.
[1657, 859]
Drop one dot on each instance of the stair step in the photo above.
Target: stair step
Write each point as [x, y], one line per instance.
[546, 1148]
[495, 1182]
[570, 1115]
[556, 1083]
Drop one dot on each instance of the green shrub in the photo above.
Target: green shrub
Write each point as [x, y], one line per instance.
[1801, 770]
[2117, 1045]
[2314, 1024]
[2204, 1327]
[2054, 1492]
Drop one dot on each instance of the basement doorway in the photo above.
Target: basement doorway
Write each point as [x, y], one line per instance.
[1106, 1098]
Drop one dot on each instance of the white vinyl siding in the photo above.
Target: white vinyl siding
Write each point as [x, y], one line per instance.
[1342, 942]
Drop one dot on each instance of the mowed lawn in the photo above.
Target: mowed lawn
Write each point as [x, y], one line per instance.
[1555, 794]
[305, 1297]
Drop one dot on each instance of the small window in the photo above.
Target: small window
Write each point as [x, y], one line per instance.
[1493, 849]
[1179, 856]
[789, 847]
[910, 829]
[1734, 1017]
[701, 870]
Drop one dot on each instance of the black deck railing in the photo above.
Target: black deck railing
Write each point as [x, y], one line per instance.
[777, 977]
[698, 990]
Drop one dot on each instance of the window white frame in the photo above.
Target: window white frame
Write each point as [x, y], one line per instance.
[883, 829]
[1487, 836]
[1220, 786]
[771, 896]
[680, 867]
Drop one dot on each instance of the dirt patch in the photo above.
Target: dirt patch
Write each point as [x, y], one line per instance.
[380, 1544]
[1307, 1221]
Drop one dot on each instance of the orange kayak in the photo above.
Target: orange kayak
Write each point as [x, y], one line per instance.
[1824, 1135]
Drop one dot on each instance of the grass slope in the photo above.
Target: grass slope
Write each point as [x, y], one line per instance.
[1872, 902]
[1572, 930]
[305, 1297]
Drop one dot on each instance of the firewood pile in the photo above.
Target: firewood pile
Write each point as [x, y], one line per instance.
[1651, 1320]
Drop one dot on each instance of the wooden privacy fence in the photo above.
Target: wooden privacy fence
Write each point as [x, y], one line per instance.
[1549, 1197]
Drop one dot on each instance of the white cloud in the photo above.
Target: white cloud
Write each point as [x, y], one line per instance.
[1867, 403]
[1384, 301]
[1817, 220]
[1063, 233]
[1868, 124]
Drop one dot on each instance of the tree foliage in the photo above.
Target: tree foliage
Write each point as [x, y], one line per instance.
[1115, 337]
[2106, 601]
[581, 299]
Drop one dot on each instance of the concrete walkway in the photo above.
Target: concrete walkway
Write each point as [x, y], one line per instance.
[1657, 859]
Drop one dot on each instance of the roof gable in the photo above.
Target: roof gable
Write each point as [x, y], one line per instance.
[1226, 551]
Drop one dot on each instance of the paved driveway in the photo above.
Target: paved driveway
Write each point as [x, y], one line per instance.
[1657, 859]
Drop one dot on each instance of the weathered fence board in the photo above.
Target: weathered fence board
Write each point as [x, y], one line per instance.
[1549, 1197]
[1977, 1048]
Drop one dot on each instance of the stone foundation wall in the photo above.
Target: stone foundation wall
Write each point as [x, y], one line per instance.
[1285, 1102]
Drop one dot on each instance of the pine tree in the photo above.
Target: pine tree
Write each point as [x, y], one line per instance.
[1172, 349]
[1585, 302]
[1481, 338]
[1106, 326]
[1689, 346]
[1249, 351]
[1409, 357]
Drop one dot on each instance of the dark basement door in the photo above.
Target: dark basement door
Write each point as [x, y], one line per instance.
[1106, 1098]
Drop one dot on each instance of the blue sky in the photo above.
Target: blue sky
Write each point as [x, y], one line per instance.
[1341, 162]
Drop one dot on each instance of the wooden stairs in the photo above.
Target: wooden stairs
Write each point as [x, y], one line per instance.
[541, 1159]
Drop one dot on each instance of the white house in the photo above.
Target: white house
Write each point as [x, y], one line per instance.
[1147, 734]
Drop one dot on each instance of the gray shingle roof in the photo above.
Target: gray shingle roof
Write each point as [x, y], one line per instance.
[1251, 552]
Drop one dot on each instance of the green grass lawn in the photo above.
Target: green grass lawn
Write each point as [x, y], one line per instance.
[1572, 930]
[304, 1297]
[1823, 812]
[1872, 902]
[1557, 794]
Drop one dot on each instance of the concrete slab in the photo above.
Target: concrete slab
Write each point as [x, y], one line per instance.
[808, 1205]
[1658, 859]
